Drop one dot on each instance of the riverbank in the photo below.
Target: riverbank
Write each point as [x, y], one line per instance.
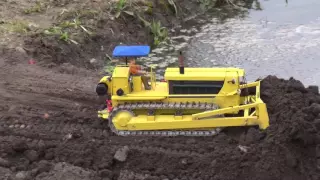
[84, 33]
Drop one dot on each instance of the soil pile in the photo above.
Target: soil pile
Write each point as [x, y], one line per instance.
[33, 147]
[289, 149]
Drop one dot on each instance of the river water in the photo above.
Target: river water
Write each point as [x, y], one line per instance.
[282, 39]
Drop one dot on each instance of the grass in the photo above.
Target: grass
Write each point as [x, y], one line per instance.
[72, 25]
[160, 34]
[66, 29]
[59, 32]
[80, 14]
[123, 6]
[16, 26]
[37, 8]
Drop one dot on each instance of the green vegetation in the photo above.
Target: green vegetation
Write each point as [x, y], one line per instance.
[83, 20]
[78, 14]
[206, 4]
[57, 31]
[67, 29]
[71, 24]
[15, 26]
[122, 7]
[160, 34]
[39, 7]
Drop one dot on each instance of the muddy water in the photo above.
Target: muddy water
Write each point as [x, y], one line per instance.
[281, 39]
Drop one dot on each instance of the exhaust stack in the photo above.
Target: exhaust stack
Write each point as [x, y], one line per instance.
[181, 63]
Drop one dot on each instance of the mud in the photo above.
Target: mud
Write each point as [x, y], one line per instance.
[48, 118]
[49, 129]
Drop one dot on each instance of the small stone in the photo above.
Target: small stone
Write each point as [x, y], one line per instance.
[33, 26]
[121, 154]
[184, 161]
[93, 60]
[21, 50]
[243, 148]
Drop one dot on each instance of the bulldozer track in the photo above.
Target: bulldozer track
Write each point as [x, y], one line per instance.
[32, 143]
[151, 149]
[155, 106]
[50, 130]
[131, 175]
[127, 174]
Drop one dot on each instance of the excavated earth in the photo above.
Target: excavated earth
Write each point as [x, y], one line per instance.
[49, 130]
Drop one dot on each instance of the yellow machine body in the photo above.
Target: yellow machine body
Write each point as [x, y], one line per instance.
[148, 110]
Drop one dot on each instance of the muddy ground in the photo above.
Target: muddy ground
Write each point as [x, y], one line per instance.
[49, 129]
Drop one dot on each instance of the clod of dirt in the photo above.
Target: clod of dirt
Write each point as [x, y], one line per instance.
[5, 173]
[3, 131]
[49, 155]
[44, 166]
[21, 50]
[76, 134]
[294, 85]
[128, 175]
[121, 154]
[67, 171]
[252, 136]
[317, 124]
[315, 108]
[4, 163]
[106, 173]
[22, 175]
[31, 155]
[20, 146]
[314, 89]
[23, 164]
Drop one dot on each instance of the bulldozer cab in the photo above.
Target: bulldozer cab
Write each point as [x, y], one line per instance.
[130, 82]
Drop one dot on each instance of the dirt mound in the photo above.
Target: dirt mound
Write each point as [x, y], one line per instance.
[67, 171]
[48, 118]
[287, 150]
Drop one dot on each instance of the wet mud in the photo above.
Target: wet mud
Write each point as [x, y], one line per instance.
[49, 129]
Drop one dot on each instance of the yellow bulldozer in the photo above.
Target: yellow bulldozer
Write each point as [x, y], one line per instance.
[187, 102]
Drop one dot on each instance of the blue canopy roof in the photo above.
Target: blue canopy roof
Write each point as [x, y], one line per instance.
[131, 51]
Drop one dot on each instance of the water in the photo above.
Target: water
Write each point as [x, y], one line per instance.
[282, 40]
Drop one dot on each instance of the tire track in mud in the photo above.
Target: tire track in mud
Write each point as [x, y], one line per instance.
[50, 129]
[131, 175]
[166, 151]
[32, 143]
[70, 133]
[47, 129]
